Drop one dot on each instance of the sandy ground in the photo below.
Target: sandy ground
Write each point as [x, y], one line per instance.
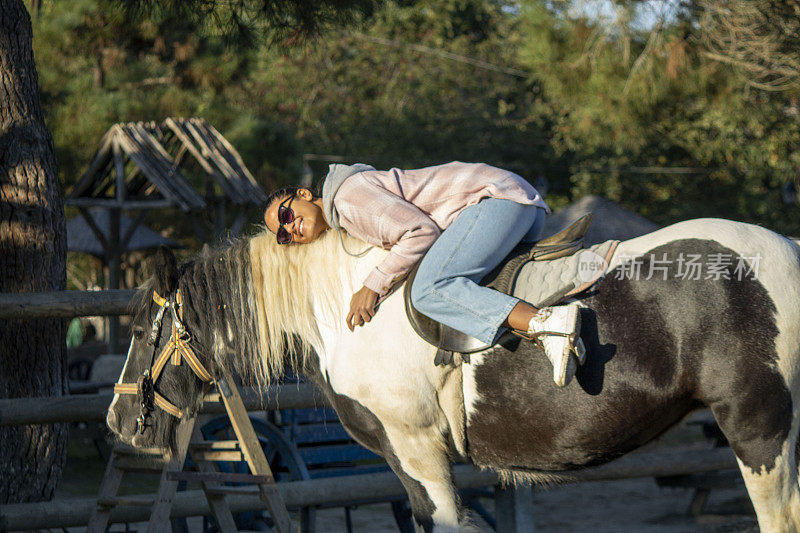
[600, 507]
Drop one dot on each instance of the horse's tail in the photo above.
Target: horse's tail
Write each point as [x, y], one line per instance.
[796, 241]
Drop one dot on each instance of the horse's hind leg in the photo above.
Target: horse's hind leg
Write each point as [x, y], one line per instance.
[765, 443]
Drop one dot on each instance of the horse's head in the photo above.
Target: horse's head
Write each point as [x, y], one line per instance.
[161, 380]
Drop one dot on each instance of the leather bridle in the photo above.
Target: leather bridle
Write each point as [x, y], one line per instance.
[177, 348]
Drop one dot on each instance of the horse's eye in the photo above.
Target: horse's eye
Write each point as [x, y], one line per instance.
[138, 332]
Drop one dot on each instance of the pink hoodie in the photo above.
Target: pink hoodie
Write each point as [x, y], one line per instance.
[404, 211]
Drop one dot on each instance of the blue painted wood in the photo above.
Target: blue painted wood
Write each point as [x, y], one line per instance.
[348, 471]
[306, 416]
[337, 454]
[320, 433]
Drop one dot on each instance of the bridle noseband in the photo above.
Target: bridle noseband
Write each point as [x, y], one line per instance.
[177, 348]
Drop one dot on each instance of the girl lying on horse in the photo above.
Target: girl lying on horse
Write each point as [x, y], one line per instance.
[460, 219]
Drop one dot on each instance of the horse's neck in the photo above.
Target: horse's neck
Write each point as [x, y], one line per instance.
[345, 356]
[331, 319]
[386, 367]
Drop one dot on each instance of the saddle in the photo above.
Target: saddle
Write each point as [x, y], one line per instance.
[550, 264]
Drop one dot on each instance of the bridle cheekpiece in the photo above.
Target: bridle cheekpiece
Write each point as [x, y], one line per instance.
[178, 347]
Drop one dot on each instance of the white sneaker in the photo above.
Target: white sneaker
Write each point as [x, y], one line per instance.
[557, 328]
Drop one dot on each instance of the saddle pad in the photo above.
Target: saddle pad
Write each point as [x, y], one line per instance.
[541, 283]
[539, 280]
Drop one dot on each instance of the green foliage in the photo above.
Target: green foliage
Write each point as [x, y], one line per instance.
[98, 68]
[544, 88]
[627, 97]
[385, 95]
[270, 148]
[249, 22]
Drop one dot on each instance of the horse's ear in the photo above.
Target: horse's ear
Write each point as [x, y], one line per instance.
[165, 270]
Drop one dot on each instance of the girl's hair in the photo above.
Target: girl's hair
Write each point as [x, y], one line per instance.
[280, 193]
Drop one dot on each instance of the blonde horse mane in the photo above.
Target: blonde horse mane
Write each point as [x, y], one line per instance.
[287, 283]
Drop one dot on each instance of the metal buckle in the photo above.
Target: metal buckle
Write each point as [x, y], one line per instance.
[146, 396]
[183, 333]
[153, 338]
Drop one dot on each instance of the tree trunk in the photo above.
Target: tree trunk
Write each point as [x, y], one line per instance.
[32, 259]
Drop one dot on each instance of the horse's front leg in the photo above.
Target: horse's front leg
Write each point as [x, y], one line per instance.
[420, 461]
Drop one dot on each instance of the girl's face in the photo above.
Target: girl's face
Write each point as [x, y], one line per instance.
[308, 223]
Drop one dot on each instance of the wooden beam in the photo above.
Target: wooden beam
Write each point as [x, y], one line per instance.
[178, 159]
[162, 506]
[126, 238]
[93, 407]
[98, 233]
[119, 166]
[253, 454]
[163, 161]
[246, 172]
[242, 177]
[219, 505]
[99, 160]
[149, 162]
[341, 490]
[238, 224]
[228, 173]
[199, 157]
[130, 205]
[244, 180]
[64, 304]
[138, 154]
[136, 181]
[114, 263]
[105, 180]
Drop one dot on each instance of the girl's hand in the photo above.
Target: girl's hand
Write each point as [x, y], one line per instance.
[362, 307]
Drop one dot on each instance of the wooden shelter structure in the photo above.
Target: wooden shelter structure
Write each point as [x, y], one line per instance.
[141, 166]
[81, 238]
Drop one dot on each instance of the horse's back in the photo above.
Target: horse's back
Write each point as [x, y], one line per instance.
[663, 336]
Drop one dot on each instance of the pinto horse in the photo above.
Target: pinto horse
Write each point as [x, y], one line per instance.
[659, 345]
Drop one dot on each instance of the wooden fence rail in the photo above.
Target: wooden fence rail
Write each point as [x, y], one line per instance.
[64, 304]
[93, 407]
[341, 490]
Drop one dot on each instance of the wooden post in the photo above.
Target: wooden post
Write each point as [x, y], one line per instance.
[514, 508]
[219, 219]
[114, 273]
[253, 454]
[160, 512]
[238, 224]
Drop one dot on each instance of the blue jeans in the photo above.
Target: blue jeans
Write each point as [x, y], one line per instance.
[482, 235]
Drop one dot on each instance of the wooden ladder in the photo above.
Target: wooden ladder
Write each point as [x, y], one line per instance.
[127, 459]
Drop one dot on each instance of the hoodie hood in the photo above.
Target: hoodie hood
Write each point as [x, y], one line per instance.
[337, 173]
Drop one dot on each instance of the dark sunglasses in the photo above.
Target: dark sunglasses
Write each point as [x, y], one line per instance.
[285, 216]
